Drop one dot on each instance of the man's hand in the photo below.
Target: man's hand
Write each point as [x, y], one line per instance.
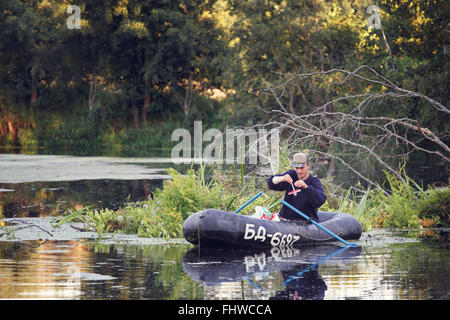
[300, 184]
[286, 178]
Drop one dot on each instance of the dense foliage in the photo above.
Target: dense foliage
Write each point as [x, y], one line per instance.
[137, 64]
[127, 64]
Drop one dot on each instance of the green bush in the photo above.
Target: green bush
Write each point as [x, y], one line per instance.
[436, 206]
[401, 206]
[164, 215]
[405, 205]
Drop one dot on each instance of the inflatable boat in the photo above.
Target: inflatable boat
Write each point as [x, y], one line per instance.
[213, 227]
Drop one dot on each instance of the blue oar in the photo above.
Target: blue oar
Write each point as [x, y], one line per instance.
[248, 202]
[317, 224]
[313, 266]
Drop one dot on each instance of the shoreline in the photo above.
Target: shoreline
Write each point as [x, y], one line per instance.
[32, 229]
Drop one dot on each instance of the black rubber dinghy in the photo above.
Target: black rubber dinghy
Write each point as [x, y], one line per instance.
[213, 227]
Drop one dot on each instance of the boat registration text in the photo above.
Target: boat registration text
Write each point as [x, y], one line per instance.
[276, 239]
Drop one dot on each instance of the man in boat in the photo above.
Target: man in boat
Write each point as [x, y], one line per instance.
[310, 195]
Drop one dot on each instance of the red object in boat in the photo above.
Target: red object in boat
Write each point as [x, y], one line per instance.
[294, 191]
[264, 217]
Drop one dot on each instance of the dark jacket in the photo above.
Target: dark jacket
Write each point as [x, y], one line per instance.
[307, 201]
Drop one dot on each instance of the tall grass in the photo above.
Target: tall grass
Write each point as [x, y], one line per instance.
[405, 205]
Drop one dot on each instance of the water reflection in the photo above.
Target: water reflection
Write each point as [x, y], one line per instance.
[87, 269]
[92, 270]
[43, 199]
[36, 269]
[218, 268]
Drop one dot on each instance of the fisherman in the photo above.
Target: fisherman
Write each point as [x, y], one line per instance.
[311, 195]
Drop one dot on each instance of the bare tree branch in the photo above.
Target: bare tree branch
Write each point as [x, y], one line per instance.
[349, 74]
[362, 135]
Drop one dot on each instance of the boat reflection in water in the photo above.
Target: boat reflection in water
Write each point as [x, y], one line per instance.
[298, 267]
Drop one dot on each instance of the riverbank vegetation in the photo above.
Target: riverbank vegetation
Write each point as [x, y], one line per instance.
[164, 213]
[406, 205]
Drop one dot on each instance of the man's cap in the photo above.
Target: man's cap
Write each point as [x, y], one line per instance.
[299, 159]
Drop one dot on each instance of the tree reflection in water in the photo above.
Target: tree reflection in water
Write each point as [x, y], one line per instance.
[136, 269]
[43, 199]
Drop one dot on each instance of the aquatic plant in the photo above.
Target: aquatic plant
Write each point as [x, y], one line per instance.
[436, 207]
[405, 205]
[182, 195]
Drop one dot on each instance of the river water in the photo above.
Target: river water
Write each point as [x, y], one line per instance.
[37, 262]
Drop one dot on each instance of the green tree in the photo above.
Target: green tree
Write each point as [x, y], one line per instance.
[276, 37]
[30, 35]
[165, 48]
